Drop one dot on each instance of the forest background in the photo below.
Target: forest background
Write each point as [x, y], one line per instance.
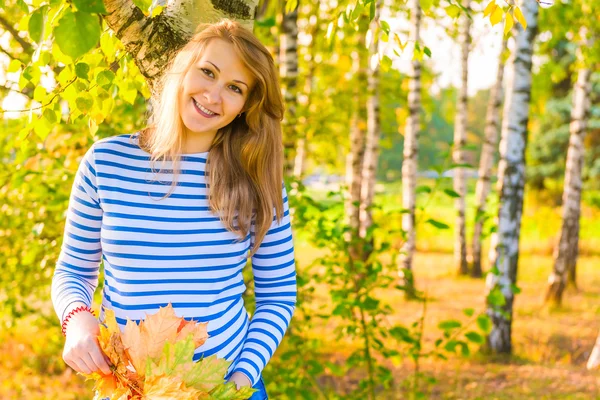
[407, 274]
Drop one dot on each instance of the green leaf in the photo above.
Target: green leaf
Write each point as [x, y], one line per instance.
[229, 392]
[50, 116]
[84, 102]
[496, 298]
[36, 24]
[39, 93]
[469, 312]
[266, 23]
[474, 337]
[464, 349]
[484, 323]
[23, 6]
[384, 26]
[14, 66]
[427, 51]
[453, 11]
[451, 193]
[90, 6]
[386, 63]
[77, 33]
[451, 346]
[81, 70]
[515, 289]
[105, 78]
[422, 189]
[143, 5]
[42, 128]
[437, 224]
[449, 324]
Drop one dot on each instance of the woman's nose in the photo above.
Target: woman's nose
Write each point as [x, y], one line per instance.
[213, 94]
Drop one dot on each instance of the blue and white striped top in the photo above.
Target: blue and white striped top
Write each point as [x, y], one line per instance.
[172, 250]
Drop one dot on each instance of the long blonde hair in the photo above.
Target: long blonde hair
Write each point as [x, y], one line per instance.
[244, 169]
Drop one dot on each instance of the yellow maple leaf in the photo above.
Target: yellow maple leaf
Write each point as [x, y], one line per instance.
[170, 388]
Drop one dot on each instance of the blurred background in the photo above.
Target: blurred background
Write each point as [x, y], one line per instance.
[442, 168]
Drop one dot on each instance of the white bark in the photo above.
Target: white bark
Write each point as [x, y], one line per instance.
[288, 70]
[486, 161]
[411, 134]
[153, 41]
[565, 253]
[594, 360]
[458, 156]
[355, 159]
[511, 177]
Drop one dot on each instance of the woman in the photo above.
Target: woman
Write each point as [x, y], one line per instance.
[182, 233]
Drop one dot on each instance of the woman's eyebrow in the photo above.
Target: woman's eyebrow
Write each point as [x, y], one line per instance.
[235, 80]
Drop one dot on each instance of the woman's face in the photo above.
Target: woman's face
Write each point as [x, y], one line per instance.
[215, 89]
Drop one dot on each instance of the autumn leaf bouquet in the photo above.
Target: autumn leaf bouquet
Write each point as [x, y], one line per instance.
[154, 360]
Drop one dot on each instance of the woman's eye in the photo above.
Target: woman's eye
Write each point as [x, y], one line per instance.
[206, 71]
[236, 89]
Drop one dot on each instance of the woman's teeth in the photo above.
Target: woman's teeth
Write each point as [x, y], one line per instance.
[202, 108]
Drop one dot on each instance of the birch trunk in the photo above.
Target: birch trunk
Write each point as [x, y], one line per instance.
[565, 253]
[153, 41]
[594, 360]
[410, 160]
[511, 179]
[355, 159]
[288, 70]
[458, 156]
[373, 127]
[486, 161]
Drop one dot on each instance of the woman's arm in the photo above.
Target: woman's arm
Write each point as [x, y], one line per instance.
[76, 274]
[274, 271]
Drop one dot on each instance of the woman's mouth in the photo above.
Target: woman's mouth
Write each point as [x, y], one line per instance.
[203, 111]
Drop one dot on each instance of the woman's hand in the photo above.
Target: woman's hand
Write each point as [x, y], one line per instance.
[240, 380]
[82, 351]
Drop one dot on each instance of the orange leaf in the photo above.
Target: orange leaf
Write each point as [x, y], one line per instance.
[199, 330]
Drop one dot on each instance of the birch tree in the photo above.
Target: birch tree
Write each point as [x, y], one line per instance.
[565, 253]
[460, 140]
[373, 127]
[594, 360]
[492, 122]
[288, 71]
[355, 158]
[511, 181]
[152, 42]
[410, 160]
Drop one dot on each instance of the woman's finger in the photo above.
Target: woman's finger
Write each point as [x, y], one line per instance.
[100, 361]
[87, 359]
[80, 366]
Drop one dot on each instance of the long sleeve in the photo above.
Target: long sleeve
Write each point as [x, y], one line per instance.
[274, 272]
[76, 274]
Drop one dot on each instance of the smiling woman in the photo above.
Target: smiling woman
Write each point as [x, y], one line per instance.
[212, 96]
[217, 134]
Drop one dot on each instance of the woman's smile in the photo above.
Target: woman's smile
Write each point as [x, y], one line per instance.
[205, 112]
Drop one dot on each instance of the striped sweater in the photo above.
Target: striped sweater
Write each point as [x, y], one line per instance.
[173, 250]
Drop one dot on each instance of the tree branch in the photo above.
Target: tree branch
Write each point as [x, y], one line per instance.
[15, 34]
